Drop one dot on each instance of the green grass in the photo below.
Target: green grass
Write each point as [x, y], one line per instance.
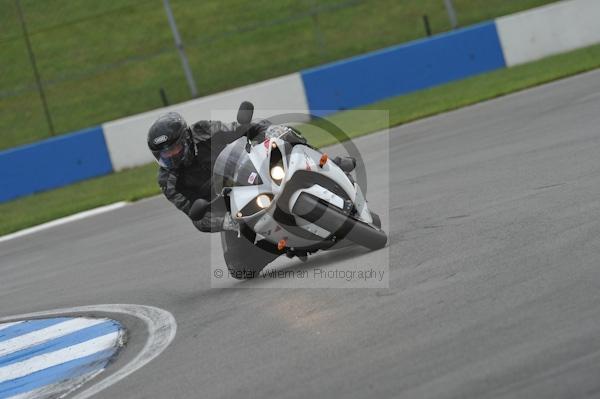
[101, 60]
[140, 182]
[129, 185]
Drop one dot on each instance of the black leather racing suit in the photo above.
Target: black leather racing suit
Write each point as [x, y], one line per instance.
[193, 179]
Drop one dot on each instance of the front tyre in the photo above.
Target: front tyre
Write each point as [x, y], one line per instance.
[243, 259]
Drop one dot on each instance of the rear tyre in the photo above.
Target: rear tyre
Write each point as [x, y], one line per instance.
[243, 259]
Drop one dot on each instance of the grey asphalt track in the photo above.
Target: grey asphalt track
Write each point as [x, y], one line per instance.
[494, 260]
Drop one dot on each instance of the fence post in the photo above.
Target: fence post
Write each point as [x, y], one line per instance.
[427, 26]
[451, 13]
[179, 45]
[163, 97]
[38, 81]
[320, 39]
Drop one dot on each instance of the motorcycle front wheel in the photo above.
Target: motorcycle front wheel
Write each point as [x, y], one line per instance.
[243, 259]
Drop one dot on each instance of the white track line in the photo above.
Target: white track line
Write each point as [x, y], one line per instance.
[68, 219]
[160, 325]
[47, 360]
[46, 334]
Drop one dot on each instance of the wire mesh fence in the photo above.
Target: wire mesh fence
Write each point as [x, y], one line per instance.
[101, 60]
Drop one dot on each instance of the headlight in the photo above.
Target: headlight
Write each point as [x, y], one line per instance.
[277, 172]
[263, 201]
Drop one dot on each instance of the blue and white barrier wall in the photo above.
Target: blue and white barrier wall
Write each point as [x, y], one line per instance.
[402, 69]
[548, 30]
[121, 144]
[53, 163]
[126, 138]
[507, 41]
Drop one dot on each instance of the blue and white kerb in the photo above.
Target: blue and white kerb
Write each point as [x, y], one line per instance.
[51, 357]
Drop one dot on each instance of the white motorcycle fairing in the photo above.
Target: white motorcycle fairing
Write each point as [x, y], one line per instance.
[269, 178]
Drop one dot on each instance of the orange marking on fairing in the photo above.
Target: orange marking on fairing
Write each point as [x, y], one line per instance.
[323, 160]
[281, 244]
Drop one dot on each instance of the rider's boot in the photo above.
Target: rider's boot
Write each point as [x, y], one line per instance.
[347, 164]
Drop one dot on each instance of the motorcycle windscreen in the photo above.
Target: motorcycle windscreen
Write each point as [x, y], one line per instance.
[234, 168]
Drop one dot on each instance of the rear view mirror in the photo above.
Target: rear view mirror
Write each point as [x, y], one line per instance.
[245, 112]
[199, 209]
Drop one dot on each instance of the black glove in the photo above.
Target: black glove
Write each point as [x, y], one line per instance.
[254, 130]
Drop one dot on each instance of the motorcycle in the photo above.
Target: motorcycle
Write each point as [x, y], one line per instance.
[287, 198]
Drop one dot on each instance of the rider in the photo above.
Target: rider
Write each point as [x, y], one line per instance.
[186, 155]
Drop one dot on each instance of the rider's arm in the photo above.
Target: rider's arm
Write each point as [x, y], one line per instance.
[211, 222]
[211, 130]
[225, 133]
[168, 184]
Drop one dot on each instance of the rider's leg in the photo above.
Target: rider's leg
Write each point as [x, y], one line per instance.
[347, 164]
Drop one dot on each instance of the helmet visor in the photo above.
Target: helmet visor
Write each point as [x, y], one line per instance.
[172, 156]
